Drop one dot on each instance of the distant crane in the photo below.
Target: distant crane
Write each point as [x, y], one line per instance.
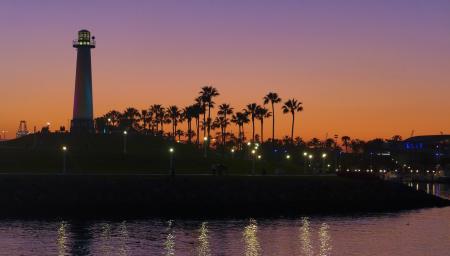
[412, 133]
[22, 131]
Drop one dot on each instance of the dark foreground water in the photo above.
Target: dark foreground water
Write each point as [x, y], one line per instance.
[418, 232]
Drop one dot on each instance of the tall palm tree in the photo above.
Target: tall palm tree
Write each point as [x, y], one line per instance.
[345, 142]
[130, 118]
[252, 109]
[188, 115]
[240, 118]
[113, 117]
[196, 112]
[221, 122]
[292, 106]
[261, 114]
[273, 98]
[174, 114]
[146, 118]
[158, 111]
[207, 95]
[224, 110]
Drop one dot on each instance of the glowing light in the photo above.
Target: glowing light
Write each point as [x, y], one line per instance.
[324, 155]
[310, 156]
[171, 150]
[125, 132]
[305, 153]
[232, 150]
[259, 156]
[253, 151]
[288, 156]
[205, 138]
[64, 148]
[249, 143]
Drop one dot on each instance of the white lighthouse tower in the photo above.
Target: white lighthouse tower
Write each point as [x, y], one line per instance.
[83, 116]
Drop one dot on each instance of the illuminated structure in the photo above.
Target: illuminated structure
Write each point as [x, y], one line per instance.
[82, 121]
[22, 131]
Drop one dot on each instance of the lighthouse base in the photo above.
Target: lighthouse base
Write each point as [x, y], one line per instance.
[82, 126]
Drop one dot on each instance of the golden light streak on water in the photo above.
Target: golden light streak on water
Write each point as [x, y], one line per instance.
[203, 239]
[252, 247]
[305, 238]
[123, 231]
[62, 238]
[105, 238]
[325, 240]
[169, 244]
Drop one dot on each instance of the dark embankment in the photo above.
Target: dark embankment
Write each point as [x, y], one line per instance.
[145, 195]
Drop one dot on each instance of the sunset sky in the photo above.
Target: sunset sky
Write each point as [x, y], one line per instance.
[361, 68]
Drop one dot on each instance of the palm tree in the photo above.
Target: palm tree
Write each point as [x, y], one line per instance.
[113, 117]
[130, 118]
[196, 112]
[292, 106]
[188, 115]
[146, 118]
[252, 110]
[158, 111]
[273, 98]
[346, 142]
[221, 122]
[174, 114]
[224, 110]
[240, 118]
[261, 114]
[207, 95]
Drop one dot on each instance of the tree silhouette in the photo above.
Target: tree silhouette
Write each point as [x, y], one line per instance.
[174, 114]
[207, 95]
[292, 106]
[224, 110]
[345, 142]
[261, 114]
[240, 118]
[251, 110]
[273, 98]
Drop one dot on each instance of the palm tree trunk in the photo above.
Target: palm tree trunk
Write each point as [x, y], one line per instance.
[204, 121]
[273, 125]
[197, 121]
[209, 119]
[292, 128]
[262, 130]
[253, 127]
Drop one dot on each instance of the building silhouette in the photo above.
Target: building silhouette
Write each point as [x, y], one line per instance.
[83, 120]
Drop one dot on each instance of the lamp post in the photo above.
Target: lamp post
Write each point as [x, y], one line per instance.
[125, 142]
[232, 153]
[205, 147]
[64, 151]
[171, 170]
[253, 161]
[310, 161]
[324, 156]
[305, 156]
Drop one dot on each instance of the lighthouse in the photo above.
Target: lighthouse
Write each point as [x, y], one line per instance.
[83, 117]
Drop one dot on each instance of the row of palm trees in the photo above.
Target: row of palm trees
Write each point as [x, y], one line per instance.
[199, 114]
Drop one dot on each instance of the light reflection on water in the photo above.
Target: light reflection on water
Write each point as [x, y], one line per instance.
[404, 233]
[437, 189]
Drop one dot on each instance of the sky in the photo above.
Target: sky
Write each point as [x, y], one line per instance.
[363, 68]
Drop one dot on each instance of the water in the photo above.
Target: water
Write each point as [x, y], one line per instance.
[418, 232]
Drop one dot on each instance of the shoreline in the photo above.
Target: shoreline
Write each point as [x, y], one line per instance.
[141, 196]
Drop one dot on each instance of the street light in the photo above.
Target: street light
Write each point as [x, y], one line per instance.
[125, 142]
[64, 150]
[171, 170]
[205, 141]
[232, 153]
[253, 161]
[324, 156]
[288, 156]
